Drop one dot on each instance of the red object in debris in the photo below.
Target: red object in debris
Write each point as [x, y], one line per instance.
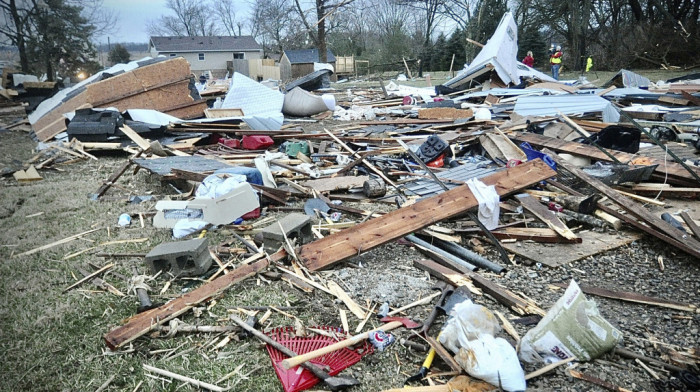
[256, 142]
[555, 207]
[232, 143]
[437, 162]
[297, 378]
[255, 214]
[513, 163]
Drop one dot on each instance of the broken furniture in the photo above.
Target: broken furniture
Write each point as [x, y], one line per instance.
[182, 258]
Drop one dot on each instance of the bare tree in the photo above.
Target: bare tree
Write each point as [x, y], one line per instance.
[317, 32]
[272, 22]
[191, 19]
[432, 11]
[227, 16]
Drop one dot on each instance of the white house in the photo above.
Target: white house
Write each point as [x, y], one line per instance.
[214, 54]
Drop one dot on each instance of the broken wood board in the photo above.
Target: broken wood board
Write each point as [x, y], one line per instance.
[223, 113]
[654, 222]
[546, 216]
[144, 322]
[334, 248]
[335, 183]
[501, 294]
[28, 175]
[445, 113]
[629, 296]
[676, 173]
[163, 86]
[535, 234]
[553, 255]
[498, 146]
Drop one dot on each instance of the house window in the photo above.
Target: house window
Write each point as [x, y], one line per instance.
[201, 56]
[173, 54]
[239, 56]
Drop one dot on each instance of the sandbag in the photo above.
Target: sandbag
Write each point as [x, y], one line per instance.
[572, 327]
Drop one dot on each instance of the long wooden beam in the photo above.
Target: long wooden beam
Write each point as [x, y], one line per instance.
[334, 248]
[498, 292]
[144, 322]
[677, 174]
[688, 244]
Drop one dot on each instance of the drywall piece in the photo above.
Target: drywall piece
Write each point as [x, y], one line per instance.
[219, 211]
[556, 254]
[334, 248]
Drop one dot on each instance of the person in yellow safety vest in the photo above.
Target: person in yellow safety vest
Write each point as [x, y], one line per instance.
[555, 62]
[589, 63]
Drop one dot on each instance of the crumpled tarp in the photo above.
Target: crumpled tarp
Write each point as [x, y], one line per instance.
[626, 78]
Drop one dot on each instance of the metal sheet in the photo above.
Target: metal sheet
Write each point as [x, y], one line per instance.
[547, 105]
[461, 173]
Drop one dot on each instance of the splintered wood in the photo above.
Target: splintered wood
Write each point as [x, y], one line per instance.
[334, 248]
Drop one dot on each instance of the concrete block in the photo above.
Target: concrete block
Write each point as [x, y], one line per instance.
[183, 258]
[295, 226]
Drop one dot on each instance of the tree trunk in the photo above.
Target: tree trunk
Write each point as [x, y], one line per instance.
[320, 13]
[19, 38]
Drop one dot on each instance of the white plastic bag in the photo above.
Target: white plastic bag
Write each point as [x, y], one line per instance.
[572, 327]
[468, 321]
[493, 360]
[489, 202]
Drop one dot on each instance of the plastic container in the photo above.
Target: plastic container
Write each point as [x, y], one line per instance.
[381, 340]
[124, 220]
[256, 142]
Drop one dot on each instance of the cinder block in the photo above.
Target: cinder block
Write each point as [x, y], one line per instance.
[183, 258]
[295, 226]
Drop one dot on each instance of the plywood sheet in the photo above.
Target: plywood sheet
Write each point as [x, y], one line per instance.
[554, 255]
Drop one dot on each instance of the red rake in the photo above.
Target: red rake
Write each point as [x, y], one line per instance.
[299, 379]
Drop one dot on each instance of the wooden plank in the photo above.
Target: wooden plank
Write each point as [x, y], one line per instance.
[374, 232]
[690, 245]
[629, 296]
[675, 171]
[349, 302]
[59, 242]
[118, 173]
[691, 224]
[498, 292]
[547, 216]
[144, 322]
[335, 183]
[223, 113]
[135, 137]
[89, 277]
[533, 234]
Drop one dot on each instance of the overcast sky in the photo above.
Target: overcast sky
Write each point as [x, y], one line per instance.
[134, 15]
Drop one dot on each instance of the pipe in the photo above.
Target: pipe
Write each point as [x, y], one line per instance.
[467, 254]
[440, 252]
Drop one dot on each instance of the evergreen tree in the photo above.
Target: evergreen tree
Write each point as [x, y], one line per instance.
[438, 54]
[456, 46]
[531, 39]
[119, 54]
[61, 43]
